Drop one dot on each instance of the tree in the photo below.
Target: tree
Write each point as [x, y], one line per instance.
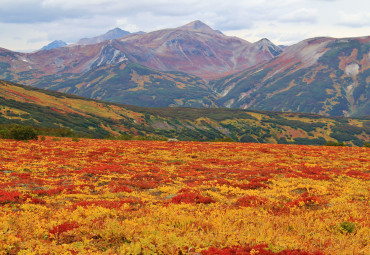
[18, 132]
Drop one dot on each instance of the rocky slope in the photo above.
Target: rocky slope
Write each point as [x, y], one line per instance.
[322, 75]
[196, 49]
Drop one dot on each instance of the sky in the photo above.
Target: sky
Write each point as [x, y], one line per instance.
[27, 25]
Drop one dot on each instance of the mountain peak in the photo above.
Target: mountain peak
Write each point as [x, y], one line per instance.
[111, 34]
[198, 26]
[117, 31]
[266, 45]
[54, 44]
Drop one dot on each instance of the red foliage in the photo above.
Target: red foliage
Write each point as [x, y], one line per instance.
[250, 201]
[64, 227]
[49, 192]
[252, 185]
[189, 198]
[306, 200]
[10, 197]
[108, 203]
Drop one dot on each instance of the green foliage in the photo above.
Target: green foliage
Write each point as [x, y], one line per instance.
[347, 227]
[331, 143]
[124, 137]
[367, 144]
[307, 141]
[224, 139]
[248, 139]
[19, 133]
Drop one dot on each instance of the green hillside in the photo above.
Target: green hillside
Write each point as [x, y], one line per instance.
[42, 108]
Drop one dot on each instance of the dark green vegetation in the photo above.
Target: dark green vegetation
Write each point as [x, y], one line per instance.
[18, 132]
[77, 116]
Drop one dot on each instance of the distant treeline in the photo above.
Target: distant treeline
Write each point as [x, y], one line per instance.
[25, 132]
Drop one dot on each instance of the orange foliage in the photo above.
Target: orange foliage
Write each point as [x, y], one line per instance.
[143, 197]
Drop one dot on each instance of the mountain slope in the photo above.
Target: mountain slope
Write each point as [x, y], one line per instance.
[102, 71]
[31, 106]
[322, 75]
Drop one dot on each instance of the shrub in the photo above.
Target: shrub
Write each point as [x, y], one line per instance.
[331, 143]
[366, 144]
[21, 133]
[224, 139]
[189, 198]
[347, 227]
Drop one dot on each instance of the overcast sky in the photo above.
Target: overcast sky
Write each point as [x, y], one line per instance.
[27, 25]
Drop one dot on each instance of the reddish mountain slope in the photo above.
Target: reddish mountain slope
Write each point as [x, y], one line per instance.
[327, 76]
[196, 49]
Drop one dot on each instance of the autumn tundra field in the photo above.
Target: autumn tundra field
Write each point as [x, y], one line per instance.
[86, 196]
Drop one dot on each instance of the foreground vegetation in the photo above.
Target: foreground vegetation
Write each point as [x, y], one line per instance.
[86, 196]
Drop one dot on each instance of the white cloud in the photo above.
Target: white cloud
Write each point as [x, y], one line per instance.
[302, 15]
[70, 20]
[360, 19]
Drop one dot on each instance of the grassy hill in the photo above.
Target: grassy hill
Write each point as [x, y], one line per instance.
[42, 108]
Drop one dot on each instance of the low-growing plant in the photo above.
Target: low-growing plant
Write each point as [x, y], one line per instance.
[347, 227]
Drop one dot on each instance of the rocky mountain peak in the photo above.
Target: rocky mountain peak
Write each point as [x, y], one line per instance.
[198, 26]
[266, 45]
[53, 45]
[111, 34]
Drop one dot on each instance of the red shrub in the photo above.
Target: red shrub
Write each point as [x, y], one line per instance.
[189, 198]
[64, 227]
[108, 203]
[250, 201]
[10, 197]
[253, 185]
[306, 200]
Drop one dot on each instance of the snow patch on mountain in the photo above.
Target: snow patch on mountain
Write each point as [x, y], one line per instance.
[352, 69]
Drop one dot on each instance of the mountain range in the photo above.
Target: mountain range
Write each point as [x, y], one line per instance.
[194, 65]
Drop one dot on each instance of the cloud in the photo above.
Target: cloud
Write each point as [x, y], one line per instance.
[32, 11]
[360, 19]
[302, 15]
[70, 20]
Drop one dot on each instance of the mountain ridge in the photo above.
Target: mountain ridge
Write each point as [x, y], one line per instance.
[194, 65]
[327, 76]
